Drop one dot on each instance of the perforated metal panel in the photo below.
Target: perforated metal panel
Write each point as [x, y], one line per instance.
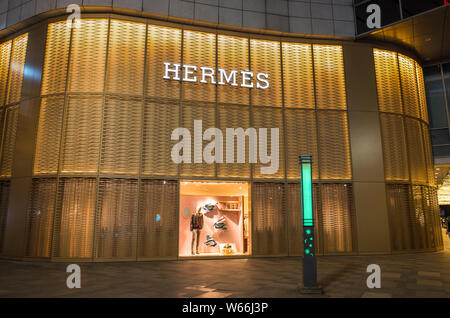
[234, 117]
[329, 77]
[160, 119]
[56, 58]
[269, 219]
[4, 197]
[428, 155]
[265, 57]
[199, 49]
[232, 54]
[9, 140]
[416, 151]
[117, 219]
[82, 130]
[121, 138]
[388, 81]
[40, 217]
[269, 118]
[298, 75]
[49, 135]
[302, 136]
[394, 148]
[334, 147]
[126, 52]
[409, 86]
[421, 91]
[337, 217]
[158, 215]
[18, 54]
[5, 55]
[88, 56]
[164, 45]
[74, 222]
[206, 113]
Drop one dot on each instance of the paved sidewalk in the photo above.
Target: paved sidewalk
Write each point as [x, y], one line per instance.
[407, 275]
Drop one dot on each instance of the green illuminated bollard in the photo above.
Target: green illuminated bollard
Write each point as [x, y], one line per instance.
[309, 254]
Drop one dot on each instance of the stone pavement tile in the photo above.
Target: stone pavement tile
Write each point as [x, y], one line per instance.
[376, 295]
[212, 294]
[430, 274]
[428, 282]
[390, 275]
[431, 294]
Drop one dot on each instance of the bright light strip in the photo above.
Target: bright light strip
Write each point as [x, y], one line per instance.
[307, 208]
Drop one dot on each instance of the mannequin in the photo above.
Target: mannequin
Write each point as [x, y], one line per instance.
[196, 227]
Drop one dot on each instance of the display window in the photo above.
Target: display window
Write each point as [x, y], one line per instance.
[214, 218]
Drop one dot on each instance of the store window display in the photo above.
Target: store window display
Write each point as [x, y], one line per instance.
[213, 219]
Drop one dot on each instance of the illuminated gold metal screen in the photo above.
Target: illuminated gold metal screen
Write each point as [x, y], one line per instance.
[265, 58]
[5, 55]
[413, 211]
[298, 75]
[329, 75]
[103, 146]
[388, 82]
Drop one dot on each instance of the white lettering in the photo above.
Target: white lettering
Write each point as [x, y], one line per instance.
[189, 70]
[207, 72]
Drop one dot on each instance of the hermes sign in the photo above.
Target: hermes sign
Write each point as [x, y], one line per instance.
[191, 73]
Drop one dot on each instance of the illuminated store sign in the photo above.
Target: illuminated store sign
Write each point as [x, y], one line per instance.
[203, 74]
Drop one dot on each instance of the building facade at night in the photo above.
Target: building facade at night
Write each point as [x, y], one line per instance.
[90, 108]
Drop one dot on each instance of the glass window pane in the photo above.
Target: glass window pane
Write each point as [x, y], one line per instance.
[435, 97]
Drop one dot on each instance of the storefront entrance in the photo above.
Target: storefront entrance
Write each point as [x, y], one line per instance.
[214, 218]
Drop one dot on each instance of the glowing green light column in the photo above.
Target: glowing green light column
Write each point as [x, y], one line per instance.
[309, 258]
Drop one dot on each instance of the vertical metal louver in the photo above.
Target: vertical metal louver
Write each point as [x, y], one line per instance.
[116, 219]
[409, 86]
[298, 75]
[301, 133]
[199, 49]
[334, 146]
[9, 140]
[234, 117]
[157, 224]
[388, 81]
[160, 119]
[329, 77]
[4, 196]
[49, 135]
[74, 222]
[206, 113]
[400, 211]
[164, 45]
[88, 56]
[82, 135]
[126, 52]
[40, 217]
[269, 118]
[121, 138]
[265, 57]
[394, 148]
[269, 235]
[56, 58]
[337, 217]
[232, 54]
[18, 54]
